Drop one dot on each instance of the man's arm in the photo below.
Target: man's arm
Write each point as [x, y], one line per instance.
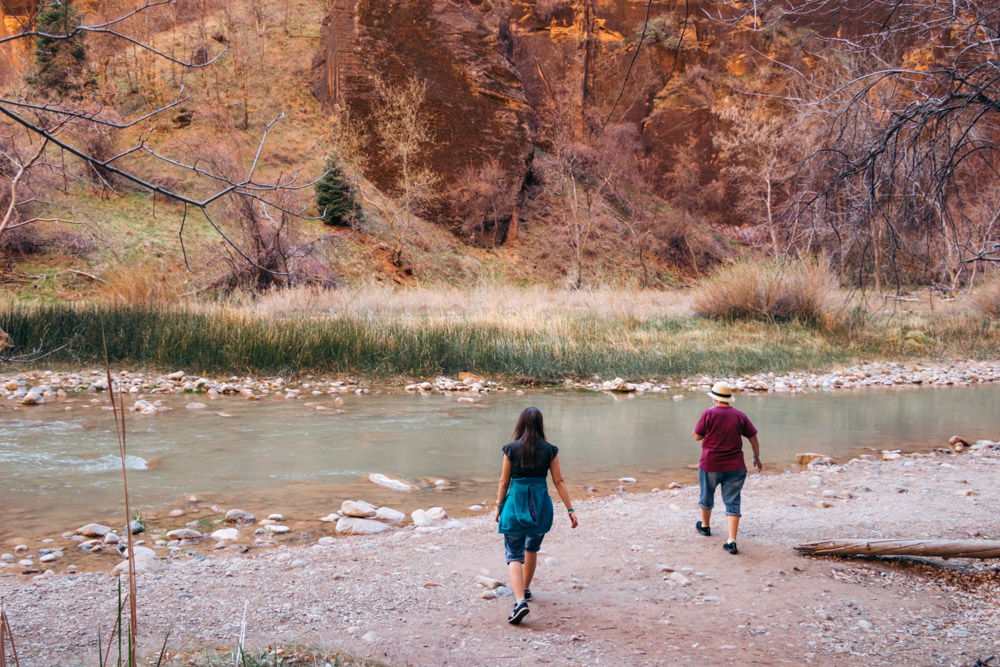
[756, 452]
[698, 436]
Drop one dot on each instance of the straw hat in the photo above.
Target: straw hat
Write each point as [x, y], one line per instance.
[721, 392]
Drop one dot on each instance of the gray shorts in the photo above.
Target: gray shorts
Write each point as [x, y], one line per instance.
[731, 483]
[516, 545]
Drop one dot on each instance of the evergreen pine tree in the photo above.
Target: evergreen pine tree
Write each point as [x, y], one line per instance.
[60, 62]
[336, 197]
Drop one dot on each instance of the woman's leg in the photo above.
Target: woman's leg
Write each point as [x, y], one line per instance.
[530, 563]
[517, 579]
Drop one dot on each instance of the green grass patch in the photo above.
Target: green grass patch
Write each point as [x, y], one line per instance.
[381, 345]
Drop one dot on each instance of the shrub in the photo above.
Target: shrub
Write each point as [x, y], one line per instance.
[986, 299]
[335, 196]
[755, 289]
[60, 63]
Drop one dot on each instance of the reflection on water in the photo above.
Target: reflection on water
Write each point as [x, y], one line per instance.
[63, 466]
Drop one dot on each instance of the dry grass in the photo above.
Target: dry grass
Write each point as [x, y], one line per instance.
[986, 299]
[487, 304]
[143, 285]
[781, 290]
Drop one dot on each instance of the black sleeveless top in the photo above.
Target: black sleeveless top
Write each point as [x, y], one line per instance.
[544, 454]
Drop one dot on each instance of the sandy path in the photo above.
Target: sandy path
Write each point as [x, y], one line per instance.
[410, 599]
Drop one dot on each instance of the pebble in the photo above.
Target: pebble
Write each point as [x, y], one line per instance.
[25, 562]
[279, 530]
[177, 512]
[437, 514]
[391, 482]
[551, 561]
[48, 558]
[476, 508]
[488, 594]
[504, 591]
[815, 481]
[92, 530]
[864, 625]
[627, 480]
[420, 519]
[6, 558]
[275, 517]
[21, 549]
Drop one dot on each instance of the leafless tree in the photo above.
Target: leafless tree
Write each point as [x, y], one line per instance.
[403, 129]
[484, 194]
[908, 167]
[47, 126]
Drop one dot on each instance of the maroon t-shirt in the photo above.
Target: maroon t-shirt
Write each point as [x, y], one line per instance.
[723, 429]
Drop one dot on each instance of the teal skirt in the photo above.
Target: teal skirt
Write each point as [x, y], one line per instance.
[527, 509]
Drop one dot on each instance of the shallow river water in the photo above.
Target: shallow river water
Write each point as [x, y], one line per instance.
[59, 466]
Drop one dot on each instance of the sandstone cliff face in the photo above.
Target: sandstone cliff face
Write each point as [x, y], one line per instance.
[475, 103]
[504, 77]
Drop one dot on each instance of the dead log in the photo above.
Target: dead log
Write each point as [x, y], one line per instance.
[932, 548]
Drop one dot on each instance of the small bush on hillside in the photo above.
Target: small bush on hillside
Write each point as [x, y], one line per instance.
[60, 63]
[986, 299]
[758, 290]
[335, 196]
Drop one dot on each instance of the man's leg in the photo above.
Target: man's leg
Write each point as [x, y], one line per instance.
[706, 500]
[732, 487]
[734, 526]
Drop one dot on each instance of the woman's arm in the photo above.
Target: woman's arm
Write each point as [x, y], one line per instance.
[560, 483]
[504, 483]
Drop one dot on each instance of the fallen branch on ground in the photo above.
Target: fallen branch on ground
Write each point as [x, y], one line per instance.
[934, 548]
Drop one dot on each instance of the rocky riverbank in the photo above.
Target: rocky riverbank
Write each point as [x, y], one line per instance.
[634, 585]
[37, 387]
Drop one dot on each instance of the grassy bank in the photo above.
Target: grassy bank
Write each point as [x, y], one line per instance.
[513, 335]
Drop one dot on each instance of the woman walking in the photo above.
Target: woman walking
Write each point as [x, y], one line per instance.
[524, 508]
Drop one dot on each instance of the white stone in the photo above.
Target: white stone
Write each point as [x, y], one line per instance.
[275, 517]
[679, 578]
[184, 534]
[389, 514]
[280, 530]
[25, 562]
[327, 541]
[177, 512]
[49, 557]
[437, 513]
[390, 482]
[475, 508]
[370, 637]
[488, 594]
[226, 534]
[815, 481]
[551, 561]
[627, 480]
[111, 538]
[333, 517]
[239, 516]
[421, 519]
[21, 549]
[488, 582]
[355, 526]
[357, 508]
[93, 530]
[194, 405]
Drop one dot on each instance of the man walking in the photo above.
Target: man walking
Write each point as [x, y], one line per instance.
[721, 430]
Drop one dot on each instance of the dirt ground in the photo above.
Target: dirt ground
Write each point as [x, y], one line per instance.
[611, 594]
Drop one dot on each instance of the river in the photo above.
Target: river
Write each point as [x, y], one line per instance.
[59, 463]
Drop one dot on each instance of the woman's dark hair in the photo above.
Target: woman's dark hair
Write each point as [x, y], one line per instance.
[527, 434]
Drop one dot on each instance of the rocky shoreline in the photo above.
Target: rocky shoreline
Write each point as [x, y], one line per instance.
[38, 387]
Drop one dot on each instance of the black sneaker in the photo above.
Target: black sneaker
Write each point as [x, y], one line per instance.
[704, 530]
[520, 611]
[527, 593]
[731, 547]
